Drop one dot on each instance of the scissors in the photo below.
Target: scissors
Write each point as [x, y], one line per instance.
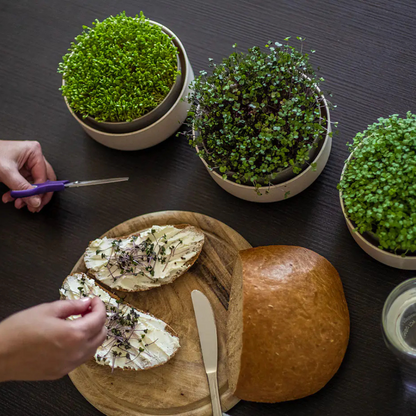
[54, 186]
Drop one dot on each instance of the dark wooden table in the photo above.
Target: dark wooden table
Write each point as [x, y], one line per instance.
[366, 51]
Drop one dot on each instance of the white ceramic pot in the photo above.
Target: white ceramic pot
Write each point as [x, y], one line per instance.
[282, 190]
[389, 259]
[162, 128]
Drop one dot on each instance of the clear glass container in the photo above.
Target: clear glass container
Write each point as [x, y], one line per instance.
[399, 322]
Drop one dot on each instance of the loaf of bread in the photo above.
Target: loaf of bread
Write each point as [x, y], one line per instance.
[135, 340]
[144, 260]
[288, 326]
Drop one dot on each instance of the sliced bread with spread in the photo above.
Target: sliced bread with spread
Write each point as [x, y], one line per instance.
[135, 340]
[144, 260]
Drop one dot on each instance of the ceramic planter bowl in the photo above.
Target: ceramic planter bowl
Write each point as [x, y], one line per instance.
[289, 188]
[368, 245]
[159, 130]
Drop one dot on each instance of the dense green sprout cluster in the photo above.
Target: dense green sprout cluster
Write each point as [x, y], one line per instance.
[379, 183]
[120, 69]
[258, 113]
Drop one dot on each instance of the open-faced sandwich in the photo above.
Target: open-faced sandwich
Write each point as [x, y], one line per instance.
[135, 340]
[144, 260]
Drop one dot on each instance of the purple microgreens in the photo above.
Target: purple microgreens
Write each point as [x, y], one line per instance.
[148, 345]
[172, 253]
[142, 257]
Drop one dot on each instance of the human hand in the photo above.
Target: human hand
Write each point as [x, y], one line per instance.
[22, 162]
[39, 344]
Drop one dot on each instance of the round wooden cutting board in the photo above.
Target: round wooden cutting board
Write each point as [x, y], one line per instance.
[180, 386]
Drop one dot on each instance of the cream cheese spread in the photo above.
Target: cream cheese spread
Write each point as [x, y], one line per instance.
[135, 340]
[146, 260]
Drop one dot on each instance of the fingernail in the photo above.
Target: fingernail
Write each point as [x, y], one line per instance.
[85, 300]
[35, 202]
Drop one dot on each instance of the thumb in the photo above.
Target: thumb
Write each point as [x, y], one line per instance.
[16, 182]
[65, 308]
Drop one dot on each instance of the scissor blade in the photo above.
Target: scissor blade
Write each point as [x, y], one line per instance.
[77, 184]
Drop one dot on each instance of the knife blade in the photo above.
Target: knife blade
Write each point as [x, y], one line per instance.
[207, 330]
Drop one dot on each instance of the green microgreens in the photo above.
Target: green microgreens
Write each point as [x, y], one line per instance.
[257, 114]
[119, 69]
[379, 183]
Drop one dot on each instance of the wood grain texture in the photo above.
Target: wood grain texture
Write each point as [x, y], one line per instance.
[180, 386]
[366, 51]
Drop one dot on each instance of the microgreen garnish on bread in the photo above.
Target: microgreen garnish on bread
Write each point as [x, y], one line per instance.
[135, 340]
[144, 260]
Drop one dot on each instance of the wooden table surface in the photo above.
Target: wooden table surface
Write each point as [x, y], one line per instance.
[366, 51]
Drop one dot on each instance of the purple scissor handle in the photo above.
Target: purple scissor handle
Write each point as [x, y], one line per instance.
[54, 186]
[40, 188]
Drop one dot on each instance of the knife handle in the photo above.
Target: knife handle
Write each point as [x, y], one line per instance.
[215, 394]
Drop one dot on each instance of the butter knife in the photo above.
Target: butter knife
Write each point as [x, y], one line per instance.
[207, 330]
